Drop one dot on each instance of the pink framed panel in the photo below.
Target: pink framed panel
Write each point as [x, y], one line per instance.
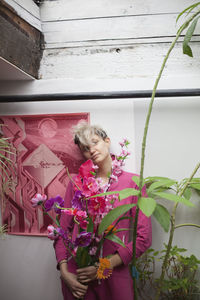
[44, 147]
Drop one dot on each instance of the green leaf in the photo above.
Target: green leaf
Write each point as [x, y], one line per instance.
[147, 205]
[195, 183]
[83, 258]
[186, 48]
[155, 178]
[4, 171]
[174, 198]
[104, 194]
[190, 8]
[163, 182]
[116, 239]
[123, 218]
[128, 192]
[162, 215]
[136, 179]
[90, 226]
[113, 215]
[122, 229]
[57, 221]
[7, 160]
[187, 193]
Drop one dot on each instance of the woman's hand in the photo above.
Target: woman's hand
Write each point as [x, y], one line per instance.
[115, 261]
[77, 289]
[85, 275]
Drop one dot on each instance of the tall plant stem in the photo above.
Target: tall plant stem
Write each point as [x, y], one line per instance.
[144, 141]
[173, 227]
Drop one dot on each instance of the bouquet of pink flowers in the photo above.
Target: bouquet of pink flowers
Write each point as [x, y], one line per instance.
[92, 209]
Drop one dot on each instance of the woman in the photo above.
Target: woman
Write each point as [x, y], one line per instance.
[82, 283]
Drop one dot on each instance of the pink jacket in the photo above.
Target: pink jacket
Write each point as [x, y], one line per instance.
[144, 233]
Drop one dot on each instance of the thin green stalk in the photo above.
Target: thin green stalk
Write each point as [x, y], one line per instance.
[70, 177]
[169, 245]
[187, 224]
[145, 137]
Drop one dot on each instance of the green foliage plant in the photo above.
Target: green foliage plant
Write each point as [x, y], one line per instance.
[7, 171]
[180, 281]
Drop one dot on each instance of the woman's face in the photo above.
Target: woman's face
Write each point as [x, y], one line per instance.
[97, 150]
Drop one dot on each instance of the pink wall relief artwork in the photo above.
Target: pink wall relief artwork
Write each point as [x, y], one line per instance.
[44, 147]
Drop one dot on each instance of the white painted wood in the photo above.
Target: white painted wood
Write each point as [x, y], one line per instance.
[27, 10]
[106, 63]
[118, 43]
[74, 9]
[72, 85]
[109, 30]
[10, 72]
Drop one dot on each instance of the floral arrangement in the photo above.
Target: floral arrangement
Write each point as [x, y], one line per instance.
[92, 210]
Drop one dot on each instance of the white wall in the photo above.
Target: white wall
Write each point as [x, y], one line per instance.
[173, 150]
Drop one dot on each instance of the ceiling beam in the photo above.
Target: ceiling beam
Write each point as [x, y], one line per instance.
[20, 42]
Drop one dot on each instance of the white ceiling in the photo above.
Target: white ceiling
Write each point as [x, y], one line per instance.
[10, 72]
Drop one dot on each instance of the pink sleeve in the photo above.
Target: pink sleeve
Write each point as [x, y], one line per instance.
[143, 240]
[66, 223]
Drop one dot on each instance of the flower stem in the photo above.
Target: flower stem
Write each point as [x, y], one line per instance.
[145, 137]
[70, 177]
[46, 213]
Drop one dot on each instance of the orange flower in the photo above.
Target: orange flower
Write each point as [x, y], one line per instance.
[104, 271]
[110, 229]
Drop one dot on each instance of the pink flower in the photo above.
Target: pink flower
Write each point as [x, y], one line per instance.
[80, 217]
[52, 232]
[70, 211]
[90, 186]
[81, 214]
[125, 153]
[96, 206]
[38, 199]
[78, 182]
[87, 169]
[126, 142]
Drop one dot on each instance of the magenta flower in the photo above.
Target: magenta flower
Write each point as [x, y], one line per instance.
[76, 201]
[53, 202]
[90, 187]
[83, 239]
[87, 169]
[38, 200]
[80, 218]
[52, 232]
[66, 236]
[70, 211]
[96, 206]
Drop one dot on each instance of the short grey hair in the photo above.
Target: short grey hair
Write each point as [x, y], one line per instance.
[84, 131]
